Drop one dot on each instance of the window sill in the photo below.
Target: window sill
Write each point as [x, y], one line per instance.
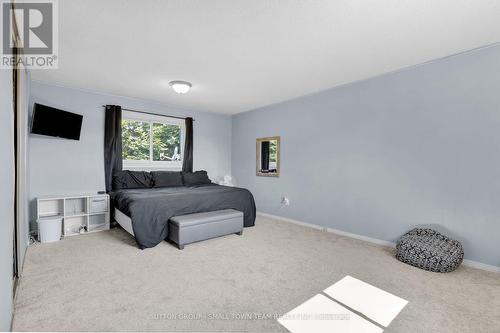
[152, 166]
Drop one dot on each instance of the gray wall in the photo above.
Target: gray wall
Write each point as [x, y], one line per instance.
[61, 166]
[378, 157]
[6, 198]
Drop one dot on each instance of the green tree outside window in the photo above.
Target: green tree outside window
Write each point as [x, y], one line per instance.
[166, 141]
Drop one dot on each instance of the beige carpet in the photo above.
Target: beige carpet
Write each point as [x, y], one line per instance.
[102, 281]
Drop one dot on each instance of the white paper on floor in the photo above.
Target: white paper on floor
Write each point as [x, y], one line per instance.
[321, 314]
[376, 304]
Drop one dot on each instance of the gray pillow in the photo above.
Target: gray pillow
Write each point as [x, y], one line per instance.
[196, 178]
[167, 178]
[127, 179]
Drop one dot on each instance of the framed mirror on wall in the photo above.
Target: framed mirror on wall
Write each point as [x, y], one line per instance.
[268, 157]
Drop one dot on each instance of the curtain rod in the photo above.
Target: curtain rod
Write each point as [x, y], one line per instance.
[155, 114]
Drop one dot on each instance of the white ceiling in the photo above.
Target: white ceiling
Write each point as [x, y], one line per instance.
[241, 55]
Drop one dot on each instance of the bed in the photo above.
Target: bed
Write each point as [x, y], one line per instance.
[144, 212]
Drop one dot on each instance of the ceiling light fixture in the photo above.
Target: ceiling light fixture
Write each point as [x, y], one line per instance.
[180, 87]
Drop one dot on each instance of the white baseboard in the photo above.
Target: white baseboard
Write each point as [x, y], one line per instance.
[466, 262]
[480, 265]
[333, 231]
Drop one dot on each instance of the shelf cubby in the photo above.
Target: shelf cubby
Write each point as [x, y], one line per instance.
[73, 224]
[75, 206]
[97, 222]
[50, 208]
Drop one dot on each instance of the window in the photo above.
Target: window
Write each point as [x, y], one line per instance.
[152, 142]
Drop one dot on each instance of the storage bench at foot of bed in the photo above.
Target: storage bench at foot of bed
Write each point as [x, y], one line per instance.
[192, 228]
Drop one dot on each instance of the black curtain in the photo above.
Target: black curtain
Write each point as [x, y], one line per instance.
[112, 143]
[264, 156]
[187, 164]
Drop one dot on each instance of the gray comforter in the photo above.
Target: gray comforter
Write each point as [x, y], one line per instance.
[151, 208]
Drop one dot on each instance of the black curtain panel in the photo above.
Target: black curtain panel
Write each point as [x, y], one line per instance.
[187, 165]
[112, 143]
[264, 157]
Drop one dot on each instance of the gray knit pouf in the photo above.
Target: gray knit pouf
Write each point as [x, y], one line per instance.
[429, 250]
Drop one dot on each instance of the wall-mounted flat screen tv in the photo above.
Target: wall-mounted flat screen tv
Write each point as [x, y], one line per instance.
[54, 122]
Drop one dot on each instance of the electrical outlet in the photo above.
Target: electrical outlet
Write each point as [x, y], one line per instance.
[285, 201]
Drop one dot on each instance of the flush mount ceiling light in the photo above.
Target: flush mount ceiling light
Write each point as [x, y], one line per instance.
[180, 87]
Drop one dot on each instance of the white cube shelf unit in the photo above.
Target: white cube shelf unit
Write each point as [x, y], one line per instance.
[80, 213]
